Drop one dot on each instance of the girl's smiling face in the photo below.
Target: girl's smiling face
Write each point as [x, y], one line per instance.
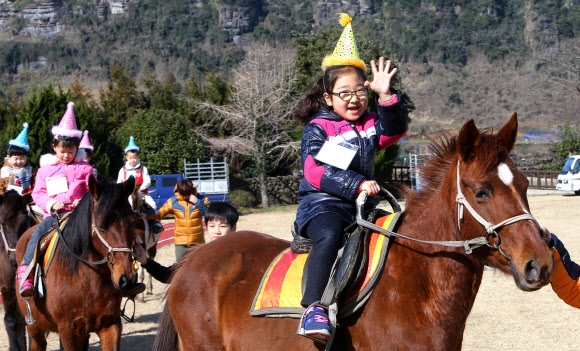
[65, 154]
[354, 108]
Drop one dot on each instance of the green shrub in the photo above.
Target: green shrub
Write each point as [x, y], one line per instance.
[242, 198]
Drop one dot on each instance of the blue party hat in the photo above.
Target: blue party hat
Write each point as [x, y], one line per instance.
[22, 138]
[131, 146]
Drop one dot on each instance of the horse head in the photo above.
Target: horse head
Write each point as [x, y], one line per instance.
[491, 196]
[113, 224]
[100, 231]
[13, 217]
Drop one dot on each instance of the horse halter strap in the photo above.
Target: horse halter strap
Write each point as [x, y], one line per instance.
[489, 227]
[6, 246]
[110, 249]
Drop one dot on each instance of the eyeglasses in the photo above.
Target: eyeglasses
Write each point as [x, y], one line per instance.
[348, 94]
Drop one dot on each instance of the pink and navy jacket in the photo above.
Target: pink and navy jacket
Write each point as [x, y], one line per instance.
[326, 188]
[77, 175]
[565, 278]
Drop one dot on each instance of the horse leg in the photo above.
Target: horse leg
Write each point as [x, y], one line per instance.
[141, 275]
[14, 321]
[85, 346]
[70, 341]
[37, 338]
[110, 338]
[151, 252]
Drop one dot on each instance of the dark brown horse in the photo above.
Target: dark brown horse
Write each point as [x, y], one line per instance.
[426, 291]
[91, 268]
[14, 220]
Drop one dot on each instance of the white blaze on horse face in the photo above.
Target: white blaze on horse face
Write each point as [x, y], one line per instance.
[506, 176]
[504, 173]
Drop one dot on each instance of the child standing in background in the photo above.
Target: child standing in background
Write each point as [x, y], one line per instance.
[339, 144]
[86, 145]
[17, 173]
[134, 167]
[220, 218]
[61, 182]
[188, 210]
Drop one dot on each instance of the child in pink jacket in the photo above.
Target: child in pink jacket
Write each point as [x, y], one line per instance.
[61, 181]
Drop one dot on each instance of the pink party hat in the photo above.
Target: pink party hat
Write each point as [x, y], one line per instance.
[85, 142]
[68, 124]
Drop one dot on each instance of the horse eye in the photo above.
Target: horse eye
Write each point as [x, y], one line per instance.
[482, 194]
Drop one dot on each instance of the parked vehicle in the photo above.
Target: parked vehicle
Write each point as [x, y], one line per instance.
[569, 177]
[162, 186]
[210, 178]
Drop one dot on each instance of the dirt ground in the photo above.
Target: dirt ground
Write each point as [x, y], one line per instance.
[503, 316]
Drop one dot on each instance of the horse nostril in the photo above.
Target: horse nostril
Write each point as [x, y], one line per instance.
[532, 272]
[123, 282]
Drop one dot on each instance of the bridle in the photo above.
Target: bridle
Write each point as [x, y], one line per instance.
[109, 257]
[468, 245]
[490, 229]
[6, 246]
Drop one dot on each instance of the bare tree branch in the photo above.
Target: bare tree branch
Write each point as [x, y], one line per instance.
[564, 68]
[259, 114]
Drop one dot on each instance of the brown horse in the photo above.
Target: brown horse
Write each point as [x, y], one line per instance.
[14, 221]
[473, 190]
[91, 268]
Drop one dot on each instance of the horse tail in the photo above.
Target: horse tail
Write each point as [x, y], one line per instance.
[166, 338]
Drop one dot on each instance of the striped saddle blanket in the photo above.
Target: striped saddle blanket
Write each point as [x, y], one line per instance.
[280, 291]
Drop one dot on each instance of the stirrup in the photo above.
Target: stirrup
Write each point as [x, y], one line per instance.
[300, 331]
[29, 318]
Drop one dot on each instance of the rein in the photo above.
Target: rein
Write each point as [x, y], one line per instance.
[468, 245]
[110, 250]
[8, 248]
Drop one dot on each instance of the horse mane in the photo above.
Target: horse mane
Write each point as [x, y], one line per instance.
[11, 205]
[77, 232]
[14, 216]
[443, 154]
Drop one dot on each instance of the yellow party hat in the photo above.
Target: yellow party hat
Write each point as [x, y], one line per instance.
[345, 52]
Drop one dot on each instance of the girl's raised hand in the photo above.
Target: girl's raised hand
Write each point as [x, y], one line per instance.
[381, 83]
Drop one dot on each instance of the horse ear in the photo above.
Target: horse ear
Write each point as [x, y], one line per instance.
[508, 133]
[95, 188]
[468, 139]
[26, 198]
[129, 185]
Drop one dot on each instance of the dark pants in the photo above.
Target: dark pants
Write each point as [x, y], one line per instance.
[42, 228]
[327, 234]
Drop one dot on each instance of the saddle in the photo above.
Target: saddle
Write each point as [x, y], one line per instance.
[350, 264]
[354, 275]
[354, 257]
[43, 254]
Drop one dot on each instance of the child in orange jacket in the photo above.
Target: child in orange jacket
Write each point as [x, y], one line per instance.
[188, 210]
[220, 218]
